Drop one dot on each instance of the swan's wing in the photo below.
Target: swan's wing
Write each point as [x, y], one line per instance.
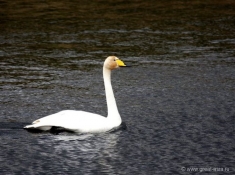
[78, 121]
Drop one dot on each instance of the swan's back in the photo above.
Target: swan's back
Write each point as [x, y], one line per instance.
[77, 121]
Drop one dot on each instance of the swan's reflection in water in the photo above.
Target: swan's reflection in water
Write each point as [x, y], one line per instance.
[88, 152]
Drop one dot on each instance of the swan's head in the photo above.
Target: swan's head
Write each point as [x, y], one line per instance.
[113, 62]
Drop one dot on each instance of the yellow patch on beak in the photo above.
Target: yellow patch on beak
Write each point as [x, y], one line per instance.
[120, 63]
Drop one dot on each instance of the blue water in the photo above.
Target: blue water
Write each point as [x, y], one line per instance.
[177, 100]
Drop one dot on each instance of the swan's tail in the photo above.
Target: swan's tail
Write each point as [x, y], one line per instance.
[37, 126]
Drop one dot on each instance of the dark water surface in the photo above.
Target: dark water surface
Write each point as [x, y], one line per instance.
[177, 100]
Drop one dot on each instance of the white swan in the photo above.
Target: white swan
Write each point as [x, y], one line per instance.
[86, 122]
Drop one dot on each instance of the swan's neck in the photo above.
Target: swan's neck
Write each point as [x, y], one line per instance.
[113, 113]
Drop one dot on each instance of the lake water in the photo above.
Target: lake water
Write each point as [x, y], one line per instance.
[177, 100]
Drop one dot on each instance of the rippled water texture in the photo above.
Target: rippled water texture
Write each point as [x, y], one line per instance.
[177, 100]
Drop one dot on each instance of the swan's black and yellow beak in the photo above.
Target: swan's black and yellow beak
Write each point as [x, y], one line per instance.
[120, 63]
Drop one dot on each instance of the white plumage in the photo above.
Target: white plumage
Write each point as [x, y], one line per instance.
[86, 122]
